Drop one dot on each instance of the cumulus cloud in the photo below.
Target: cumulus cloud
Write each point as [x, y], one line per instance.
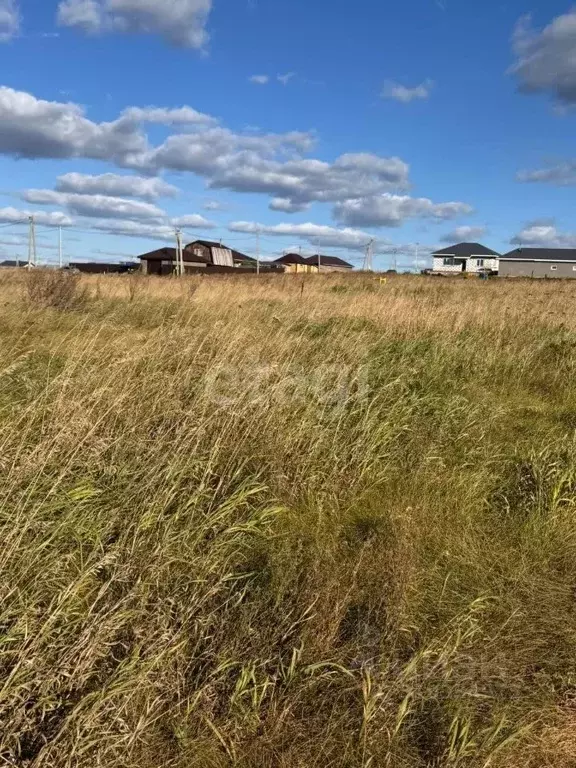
[404, 94]
[180, 22]
[315, 234]
[286, 205]
[364, 188]
[53, 219]
[128, 228]
[114, 185]
[300, 181]
[193, 221]
[95, 205]
[9, 20]
[34, 128]
[163, 116]
[260, 79]
[562, 175]
[389, 210]
[546, 58]
[543, 233]
[214, 205]
[463, 234]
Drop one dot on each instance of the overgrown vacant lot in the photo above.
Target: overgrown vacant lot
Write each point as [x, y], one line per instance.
[275, 523]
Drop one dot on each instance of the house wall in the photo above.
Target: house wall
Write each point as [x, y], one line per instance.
[489, 263]
[439, 266]
[293, 268]
[326, 268]
[200, 250]
[520, 268]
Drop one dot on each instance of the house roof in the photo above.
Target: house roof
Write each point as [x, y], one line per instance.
[541, 254]
[239, 256]
[465, 250]
[291, 258]
[170, 254]
[236, 255]
[327, 261]
[207, 243]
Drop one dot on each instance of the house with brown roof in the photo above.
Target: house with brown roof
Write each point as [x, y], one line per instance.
[163, 261]
[219, 254]
[294, 262]
[328, 263]
[199, 255]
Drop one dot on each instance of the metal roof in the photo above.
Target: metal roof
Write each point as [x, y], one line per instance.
[465, 250]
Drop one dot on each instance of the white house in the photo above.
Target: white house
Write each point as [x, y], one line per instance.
[465, 257]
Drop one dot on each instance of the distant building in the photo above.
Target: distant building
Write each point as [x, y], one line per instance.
[100, 267]
[293, 262]
[465, 257]
[218, 254]
[539, 262]
[201, 256]
[328, 263]
[163, 261]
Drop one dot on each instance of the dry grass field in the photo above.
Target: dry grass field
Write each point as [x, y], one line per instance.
[286, 522]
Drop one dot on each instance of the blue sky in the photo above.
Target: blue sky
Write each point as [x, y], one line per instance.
[321, 124]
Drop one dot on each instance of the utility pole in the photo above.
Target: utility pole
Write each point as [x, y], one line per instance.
[60, 263]
[179, 254]
[31, 243]
[319, 263]
[395, 259]
[258, 252]
[417, 255]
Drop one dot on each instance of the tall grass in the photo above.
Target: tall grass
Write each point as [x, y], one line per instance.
[284, 522]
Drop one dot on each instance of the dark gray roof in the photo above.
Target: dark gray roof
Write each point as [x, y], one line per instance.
[465, 250]
[291, 258]
[162, 254]
[541, 254]
[328, 261]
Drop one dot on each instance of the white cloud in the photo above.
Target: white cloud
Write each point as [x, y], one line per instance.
[286, 205]
[285, 79]
[180, 22]
[53, 219]
[128, 228]
[162, 116]
[33, 128]
[260, 79]
[315, 234]
[193, 221]
[463, 234]
[389, 210]
[562, 175]
[404, 94]
[363, 187]
[544, 234]
[214, 205]
[546, 59]
[100, 206]
[114, 185]
[9, 20]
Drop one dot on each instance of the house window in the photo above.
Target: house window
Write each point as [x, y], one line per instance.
[574, 268]
[479, 262]
[449, 261]
[553, 267]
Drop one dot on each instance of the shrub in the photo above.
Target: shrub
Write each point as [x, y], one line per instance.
[55, 288]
